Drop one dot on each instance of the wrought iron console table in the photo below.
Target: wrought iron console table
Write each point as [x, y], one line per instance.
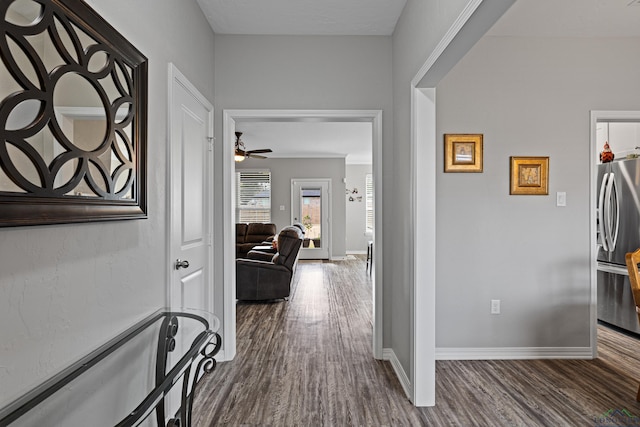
[119, 371]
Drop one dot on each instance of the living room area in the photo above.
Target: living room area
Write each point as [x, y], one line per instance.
[316, 176]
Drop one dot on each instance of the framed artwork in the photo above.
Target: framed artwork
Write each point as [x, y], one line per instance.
[530, 176]
[463, 152]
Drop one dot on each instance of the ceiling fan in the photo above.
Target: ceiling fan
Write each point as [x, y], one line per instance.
[242, 153]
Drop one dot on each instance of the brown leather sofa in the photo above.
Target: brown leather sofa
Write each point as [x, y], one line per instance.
[252, 234]
[265, 276]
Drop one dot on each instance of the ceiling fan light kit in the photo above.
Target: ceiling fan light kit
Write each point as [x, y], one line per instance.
[242, 153]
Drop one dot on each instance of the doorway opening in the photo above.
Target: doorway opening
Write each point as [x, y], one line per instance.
[230, 119]
[614, 220]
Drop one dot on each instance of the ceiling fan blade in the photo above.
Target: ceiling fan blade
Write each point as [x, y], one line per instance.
[263, 150]
[256, 156]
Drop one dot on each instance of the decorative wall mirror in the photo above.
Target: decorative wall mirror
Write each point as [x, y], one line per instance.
[73, 101]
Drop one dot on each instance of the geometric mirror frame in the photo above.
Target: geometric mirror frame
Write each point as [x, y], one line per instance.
[73, 116]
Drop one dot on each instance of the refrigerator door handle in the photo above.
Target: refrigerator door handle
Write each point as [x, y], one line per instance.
[611, 211]
[615, 204]
[601, 222]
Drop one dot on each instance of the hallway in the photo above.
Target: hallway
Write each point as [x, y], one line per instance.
[307, 361]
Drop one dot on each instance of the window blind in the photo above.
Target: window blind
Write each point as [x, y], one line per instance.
[253, 196]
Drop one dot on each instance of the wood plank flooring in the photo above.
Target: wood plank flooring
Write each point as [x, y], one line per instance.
[307, 362]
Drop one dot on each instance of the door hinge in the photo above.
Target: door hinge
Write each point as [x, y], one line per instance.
[210, 139]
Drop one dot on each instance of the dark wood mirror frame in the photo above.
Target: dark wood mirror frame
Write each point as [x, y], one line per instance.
[115, 171]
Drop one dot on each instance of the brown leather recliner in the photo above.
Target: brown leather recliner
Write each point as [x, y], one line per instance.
[264, 276]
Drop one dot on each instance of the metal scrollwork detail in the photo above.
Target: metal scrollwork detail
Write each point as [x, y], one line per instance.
[208, 363]
[205, 366]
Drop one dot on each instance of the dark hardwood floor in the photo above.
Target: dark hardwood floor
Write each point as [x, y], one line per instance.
[308, 362]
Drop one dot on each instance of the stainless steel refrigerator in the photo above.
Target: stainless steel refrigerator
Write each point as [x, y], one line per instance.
[618, 233]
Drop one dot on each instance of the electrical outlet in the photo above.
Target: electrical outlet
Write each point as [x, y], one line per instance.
[495, 306]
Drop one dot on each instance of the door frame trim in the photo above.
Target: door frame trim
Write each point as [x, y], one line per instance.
[229, 118]
[175, 77]
[329, 208]
[472, 23]
[423, 218]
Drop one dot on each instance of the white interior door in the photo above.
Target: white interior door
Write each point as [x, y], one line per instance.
[191, 160]
[310, 205]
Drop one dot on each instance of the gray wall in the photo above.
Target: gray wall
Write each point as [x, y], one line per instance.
[420, 28]
[65, 289]
[284, 170]
[356, 235]
[529, 97]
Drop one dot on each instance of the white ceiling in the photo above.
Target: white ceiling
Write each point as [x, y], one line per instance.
[552, 18]
[527, 18]
[308, 17]
[348, 140]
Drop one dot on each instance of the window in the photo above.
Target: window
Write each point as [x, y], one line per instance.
[368, 197]
[253, 196]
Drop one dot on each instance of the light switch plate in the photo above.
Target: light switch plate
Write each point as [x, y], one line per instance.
[561, 198]
[495, 306]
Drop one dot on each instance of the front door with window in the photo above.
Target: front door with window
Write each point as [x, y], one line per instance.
[310, 206]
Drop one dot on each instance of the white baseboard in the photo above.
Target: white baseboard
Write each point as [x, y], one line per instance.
[513, 353]
[390, 355]
[220, 357]
[356, 252]
[338, 258]
[495, 353]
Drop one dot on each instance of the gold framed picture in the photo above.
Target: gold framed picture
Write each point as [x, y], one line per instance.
[463, 152]
[530, 176]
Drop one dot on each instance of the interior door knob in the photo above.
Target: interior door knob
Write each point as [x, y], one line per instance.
[181, 264]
